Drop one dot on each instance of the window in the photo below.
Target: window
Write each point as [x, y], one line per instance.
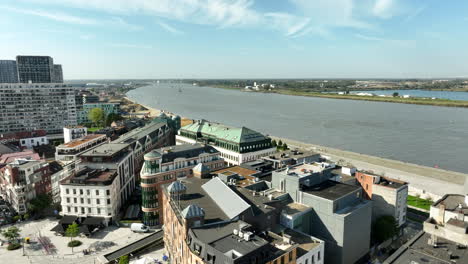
[76, 209]
[307, 261]
[68, 209]
[282, 259]
[108, 192]
[82, 210]
[108, 201]
[87, 192]
[81, 191]
[82, 200]
[67, 191]
[74, 191]
[68, 200]
[89, 210]
[89, 201]
[74, 200]
[367, 186]
[318, 256]
[290, 256]
[99, 210]
[313, 259]
[97, 192]
[98, 201]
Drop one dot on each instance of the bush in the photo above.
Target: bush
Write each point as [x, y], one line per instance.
[13, 246]
[74, 243]
[16, 218]
[26, 216]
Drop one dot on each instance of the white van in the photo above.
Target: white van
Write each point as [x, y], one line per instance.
[139, 228]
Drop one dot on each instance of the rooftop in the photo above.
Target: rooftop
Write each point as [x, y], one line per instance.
[418, 250]
[232, 134]
[331, 190]
[26, 154]
[295, 208]
[195, 195]
[306, 169]
[187, 151]
[292, 154]
[385, 181]
[138, 133]
[81, 141]
[107, 150]
[453, 202]
[87, 176]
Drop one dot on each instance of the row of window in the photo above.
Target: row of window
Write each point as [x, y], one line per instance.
[81, 191]
[88, 200]
[83, 210]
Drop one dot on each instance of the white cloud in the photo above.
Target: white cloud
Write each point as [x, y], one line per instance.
[56, 16]
[383, 8]
[170, 28]
[397, 42]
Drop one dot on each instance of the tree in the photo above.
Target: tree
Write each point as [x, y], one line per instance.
[41, 202]
[280, 143]
[96, 115]
[395, 94]
[72, 231]
[112, 117]
[273, 143]
[124, 259]
[285, 146]
[11, 234]
[385, 227]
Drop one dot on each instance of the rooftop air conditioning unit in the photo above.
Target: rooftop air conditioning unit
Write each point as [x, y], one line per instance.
[240, 234]
[235, 232]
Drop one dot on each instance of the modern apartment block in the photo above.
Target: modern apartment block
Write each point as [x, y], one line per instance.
[103, 182]
[69, 152]
[22, 180]
[334, 212]
[388, 195]
[167, 165]
[26, 107]
[237, 145]
[35, 69]
[210, 221]
[8, 71]
[57, 75]
[142, 140]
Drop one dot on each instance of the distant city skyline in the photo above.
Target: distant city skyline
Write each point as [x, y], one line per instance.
[145, 39]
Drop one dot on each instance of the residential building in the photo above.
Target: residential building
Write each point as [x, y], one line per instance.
[237, 145]
[69, 152]
[26, 139]
[74, 132]
[57, 74]
[167, 165]
[8, 71]
[35, 69]
[27, 107]
[209, 221]
[106, 176]
[142, 140]
[449, 219]
[28, 154]
[22, 180]
[444, 238]
[388, 195]
[107, 108]
[292, 157]
[339, 215]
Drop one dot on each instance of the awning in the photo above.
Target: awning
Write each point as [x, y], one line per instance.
[93, 221]
[58, 229]
[68, 220]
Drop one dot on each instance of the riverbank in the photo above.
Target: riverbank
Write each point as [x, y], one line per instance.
[401, 100]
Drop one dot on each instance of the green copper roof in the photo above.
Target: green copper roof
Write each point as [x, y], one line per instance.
[153, 154]
[233, 134]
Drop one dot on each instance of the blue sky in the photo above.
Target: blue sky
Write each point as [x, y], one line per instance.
[100, 39]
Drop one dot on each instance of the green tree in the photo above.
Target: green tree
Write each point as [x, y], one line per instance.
[385, 227]
[41, 202]
[96, 115]
[285, 146]
[72, 231]
[395, 94]
[112, 117]
[273, 143]
[124, 260]
[280, 143]
[11, 234]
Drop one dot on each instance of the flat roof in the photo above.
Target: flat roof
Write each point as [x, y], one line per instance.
[186, 151]
[292, 154]
[195, 195]
[452, 203]
[294, 208]
[80, 141]
[108, 149]
[87, 176]
[331, 190]
[138, 133]
[418, 250]
[306, 169]
[306, 242]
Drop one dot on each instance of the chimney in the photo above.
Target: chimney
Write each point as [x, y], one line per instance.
[441, 217]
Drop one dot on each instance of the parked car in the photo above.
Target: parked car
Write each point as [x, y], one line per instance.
[139, 228]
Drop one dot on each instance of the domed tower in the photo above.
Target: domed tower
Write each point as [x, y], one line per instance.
[149, 187]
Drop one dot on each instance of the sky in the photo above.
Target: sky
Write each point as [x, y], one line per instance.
[123, 39]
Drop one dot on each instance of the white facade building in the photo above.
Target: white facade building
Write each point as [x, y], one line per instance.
[68, 152]
[34, 141]
[74, 132]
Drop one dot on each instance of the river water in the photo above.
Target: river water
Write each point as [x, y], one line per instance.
[425, 135]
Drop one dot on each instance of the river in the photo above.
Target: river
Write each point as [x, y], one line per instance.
[420, 134]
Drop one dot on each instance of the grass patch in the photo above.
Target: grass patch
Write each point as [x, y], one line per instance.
[419, 202]
[74, 243]
[94, 129]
